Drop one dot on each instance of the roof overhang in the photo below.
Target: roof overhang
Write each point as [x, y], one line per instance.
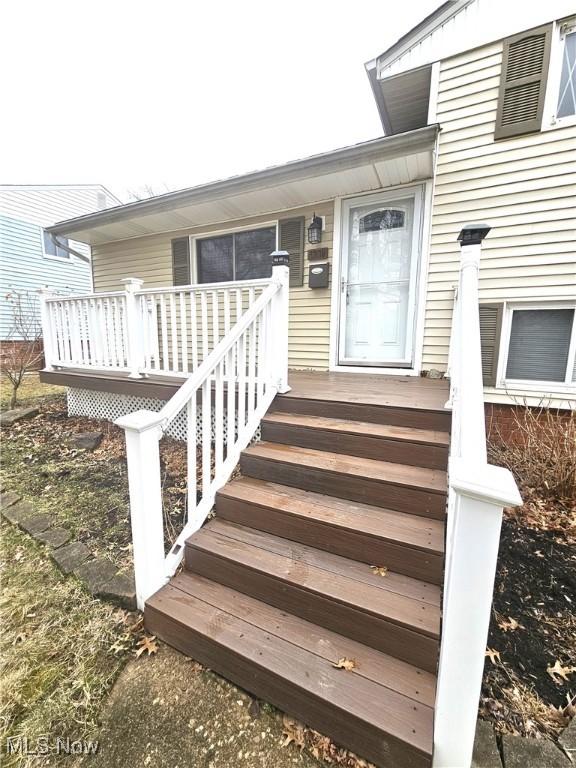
[383, 162]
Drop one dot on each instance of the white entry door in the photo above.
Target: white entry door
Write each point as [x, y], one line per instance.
[380, 241]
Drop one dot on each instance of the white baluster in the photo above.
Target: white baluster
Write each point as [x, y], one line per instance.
[191, 455]
[194, 329]
[48, 337]
[204, 323]
[218, 418]
[174, 333]
[184, 332]
[206, 434]
[163, 333]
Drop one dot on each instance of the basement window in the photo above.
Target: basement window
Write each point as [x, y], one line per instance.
[242, 255]
[541, 345]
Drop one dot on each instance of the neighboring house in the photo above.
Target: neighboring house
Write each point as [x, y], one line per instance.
[29, 259]
[317, 584]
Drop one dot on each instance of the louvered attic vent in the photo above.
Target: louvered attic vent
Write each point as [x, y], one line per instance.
[523, 83]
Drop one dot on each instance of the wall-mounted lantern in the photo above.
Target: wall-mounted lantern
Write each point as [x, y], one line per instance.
[315, 230]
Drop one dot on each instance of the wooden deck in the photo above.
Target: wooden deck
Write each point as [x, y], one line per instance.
[352, 388]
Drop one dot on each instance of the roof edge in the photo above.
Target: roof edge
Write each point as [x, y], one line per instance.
[253, 180]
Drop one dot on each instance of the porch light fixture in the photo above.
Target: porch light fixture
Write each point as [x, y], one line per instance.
[315, 230]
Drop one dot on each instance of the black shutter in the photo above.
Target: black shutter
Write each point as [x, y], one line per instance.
[291, 239]
[525, 59]
[490, 327]
[181, 261]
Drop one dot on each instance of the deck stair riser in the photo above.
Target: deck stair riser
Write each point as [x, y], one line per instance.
[417, 447]
[408, 544]
[414, 490]
[398, 616]
[377, 414]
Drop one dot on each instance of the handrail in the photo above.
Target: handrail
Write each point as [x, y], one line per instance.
[252, 358]
[477, 493]
[222, 286]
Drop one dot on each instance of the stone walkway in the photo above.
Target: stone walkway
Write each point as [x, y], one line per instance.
[519, 752]
[99, 575]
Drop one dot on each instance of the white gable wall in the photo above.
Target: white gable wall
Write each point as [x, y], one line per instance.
[476, 23]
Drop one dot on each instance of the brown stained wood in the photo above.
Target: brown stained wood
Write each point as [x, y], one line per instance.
[410, 530]
[374, 665]
[358, 411]
[341, 566]
[373, 441]
[313, 530]
[380, 724]
[354, 622]
[414, 490]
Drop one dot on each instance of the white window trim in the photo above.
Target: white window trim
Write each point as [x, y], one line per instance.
[529, 384]
[219, 233]
[549, 119]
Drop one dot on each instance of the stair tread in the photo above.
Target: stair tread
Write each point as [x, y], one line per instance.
[399, 599]
[365, 428]
[389, 695]
[432, 480]
[416, 532]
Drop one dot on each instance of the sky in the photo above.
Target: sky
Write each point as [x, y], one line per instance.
[163, 95]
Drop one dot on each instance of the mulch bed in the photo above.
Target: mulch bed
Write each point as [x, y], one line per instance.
[530, 683]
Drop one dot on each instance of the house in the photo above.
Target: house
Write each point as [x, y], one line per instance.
[346, 307]
[29, 258]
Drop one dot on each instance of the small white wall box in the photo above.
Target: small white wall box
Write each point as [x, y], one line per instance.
[318, 275]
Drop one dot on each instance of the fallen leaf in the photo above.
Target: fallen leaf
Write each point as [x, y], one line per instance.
[558, 671]
[293, 731]
[345, 663]
[379, 570]
[493, 655]
[148, 644]
[508, 625]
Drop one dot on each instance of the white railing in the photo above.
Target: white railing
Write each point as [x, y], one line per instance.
[238, 378]
[163, 331]
[477, 493]
[88, 331]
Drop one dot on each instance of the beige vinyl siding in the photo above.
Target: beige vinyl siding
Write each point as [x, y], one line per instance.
[150, 258]
[524, 187]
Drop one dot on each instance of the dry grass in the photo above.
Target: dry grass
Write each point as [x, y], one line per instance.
[30, 392]
[56, 662]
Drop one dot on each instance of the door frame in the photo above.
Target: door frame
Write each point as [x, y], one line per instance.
[421, 237]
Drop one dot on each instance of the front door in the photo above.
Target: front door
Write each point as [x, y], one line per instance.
[380, 240]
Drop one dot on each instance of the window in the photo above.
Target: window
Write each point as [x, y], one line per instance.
[560, 108]
[567, 90]
[51, 249]
[541, 345]
[237, 256]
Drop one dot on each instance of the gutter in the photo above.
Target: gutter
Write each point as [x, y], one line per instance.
[348, 157]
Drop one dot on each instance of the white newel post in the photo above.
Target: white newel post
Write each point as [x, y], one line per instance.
[279, 336]
[143, 457]
[478, 492]
[135, 327]
[47, 340]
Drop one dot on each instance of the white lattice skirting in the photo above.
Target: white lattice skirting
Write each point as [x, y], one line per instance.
[110, 406]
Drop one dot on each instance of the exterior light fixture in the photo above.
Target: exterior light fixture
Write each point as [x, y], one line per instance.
[315, 230]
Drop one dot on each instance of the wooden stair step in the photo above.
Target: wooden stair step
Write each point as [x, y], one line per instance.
[394, 614]
[405, 544]
[359, 407]
[386, 442]
[382, 709]
[415, 490]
